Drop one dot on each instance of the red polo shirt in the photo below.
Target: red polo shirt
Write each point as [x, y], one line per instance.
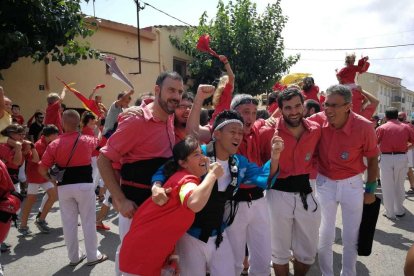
[140, 138]
[296, 157]
[394, 135]
[348, 73]
[53, 116]
[32, 173]
[89, 131]
[340, 151]
[7, 155]
[59, 150]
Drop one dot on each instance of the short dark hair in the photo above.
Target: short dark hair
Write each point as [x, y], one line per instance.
[168, 74]
[86, 116]
[50, 130]
[391, 113]
[37, 114]
[288, 94]
[121, 94]
[13, 128]
[309, 104]
[227, 115]
[188, 96]
[272, 98]
[15, 105]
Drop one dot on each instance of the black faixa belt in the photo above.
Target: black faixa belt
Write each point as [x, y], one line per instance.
[394, 152]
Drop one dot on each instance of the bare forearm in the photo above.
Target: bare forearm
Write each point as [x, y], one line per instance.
[201, 193]
[193, 122]
[35, 156]
[109, 178]
[372, 169]
[18, 156]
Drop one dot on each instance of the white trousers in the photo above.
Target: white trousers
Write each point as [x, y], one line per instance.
[394, 169]
[293, 227]
[124, 224]
[251, 225]
[197, 256]
[350, 194]
[79, 199]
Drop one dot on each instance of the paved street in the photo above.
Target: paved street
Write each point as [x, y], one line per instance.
[45, 254]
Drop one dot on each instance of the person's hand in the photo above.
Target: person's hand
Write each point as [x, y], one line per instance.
[126, 208]
[277, 146]
[223, 59]
[159, 194]
[17, 145]
[216, 170]
[270, 122]
[205, 91]
[369, 198]
[132, 112]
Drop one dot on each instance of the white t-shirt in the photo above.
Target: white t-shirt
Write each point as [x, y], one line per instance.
[225, 180]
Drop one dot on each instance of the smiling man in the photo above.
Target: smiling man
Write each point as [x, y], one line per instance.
[294, 212]
[346, 139]
[141, 144]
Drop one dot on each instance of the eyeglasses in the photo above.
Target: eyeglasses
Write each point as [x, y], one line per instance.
[326, 105]
[183, 106]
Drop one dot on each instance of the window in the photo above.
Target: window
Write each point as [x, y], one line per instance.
[180, 66]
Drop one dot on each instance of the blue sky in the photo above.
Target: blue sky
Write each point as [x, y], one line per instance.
[312, 24]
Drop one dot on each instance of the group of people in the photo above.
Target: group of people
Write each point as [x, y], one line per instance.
[234, 195]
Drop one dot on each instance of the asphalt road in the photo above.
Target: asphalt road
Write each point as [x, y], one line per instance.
[45, 254]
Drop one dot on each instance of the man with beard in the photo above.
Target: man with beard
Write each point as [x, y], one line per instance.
[141, 144]
[294, 212]
[346, 138]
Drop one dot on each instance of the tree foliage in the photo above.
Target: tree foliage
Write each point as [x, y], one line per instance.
[44, 30]
[251, 41]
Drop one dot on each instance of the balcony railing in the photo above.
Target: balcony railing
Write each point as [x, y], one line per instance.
[397, 99]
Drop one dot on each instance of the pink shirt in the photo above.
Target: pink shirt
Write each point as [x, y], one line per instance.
[340, 151]
[140, 138]
[296, 157]
[394, 135]
[32, 173]
[53, 116]
[59, 150]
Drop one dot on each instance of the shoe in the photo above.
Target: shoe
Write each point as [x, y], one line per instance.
[4, 247]
[83, 257]
[100, 260]
[38, 215]
[390, 218]
[400, 216]
[25, 231]
[103, 227]
[42, 225]
[410, 191]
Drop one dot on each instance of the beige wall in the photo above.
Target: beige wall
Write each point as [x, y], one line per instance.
[21, 81]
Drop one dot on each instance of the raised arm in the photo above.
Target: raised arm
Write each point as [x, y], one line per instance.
[193, 127]
[92, 94]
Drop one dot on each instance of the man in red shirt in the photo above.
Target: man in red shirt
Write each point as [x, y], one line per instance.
[346, 138]
[141, 144]
[16, 116]
[294, 213]
[53, 114]
[76, 191]
[394, 161]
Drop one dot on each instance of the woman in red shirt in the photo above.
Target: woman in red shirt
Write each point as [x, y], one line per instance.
[155, 229]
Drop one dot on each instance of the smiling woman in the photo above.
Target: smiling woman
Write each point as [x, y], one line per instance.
[140, 253]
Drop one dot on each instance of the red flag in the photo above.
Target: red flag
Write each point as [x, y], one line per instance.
[99, 86]
[204, 45]
[87, 103]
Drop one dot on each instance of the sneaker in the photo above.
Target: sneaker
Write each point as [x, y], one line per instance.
[100, 260]
[390, 218]
[102, 227]
[42, 225]
[4, 247]
[410, 191]
[25, 231]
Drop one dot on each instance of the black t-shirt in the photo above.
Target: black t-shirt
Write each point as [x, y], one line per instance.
[34, 130]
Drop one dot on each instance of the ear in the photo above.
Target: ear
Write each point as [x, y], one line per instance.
[182, 163]
[157, 90]
[217, 134]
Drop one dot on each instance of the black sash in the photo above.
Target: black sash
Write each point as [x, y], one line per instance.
[140, 172]
[14, 175]
[210, 218]
[78, 174]
[248, 194]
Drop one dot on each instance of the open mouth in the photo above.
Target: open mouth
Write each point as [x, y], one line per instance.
[235, 144]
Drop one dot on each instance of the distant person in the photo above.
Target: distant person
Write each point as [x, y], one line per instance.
[116, 108]
[311, 107]
[53, 111]
[5, 114]
[310, 90]
[36, 127]
[16, 115]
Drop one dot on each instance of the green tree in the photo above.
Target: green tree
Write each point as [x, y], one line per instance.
[251, 41]
[44, 30]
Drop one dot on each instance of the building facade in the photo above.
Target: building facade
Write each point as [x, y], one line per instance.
[28, 84]
[389, 92]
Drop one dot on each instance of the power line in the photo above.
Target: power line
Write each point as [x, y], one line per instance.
[167, 14]
[328, 60]
[348, 49]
